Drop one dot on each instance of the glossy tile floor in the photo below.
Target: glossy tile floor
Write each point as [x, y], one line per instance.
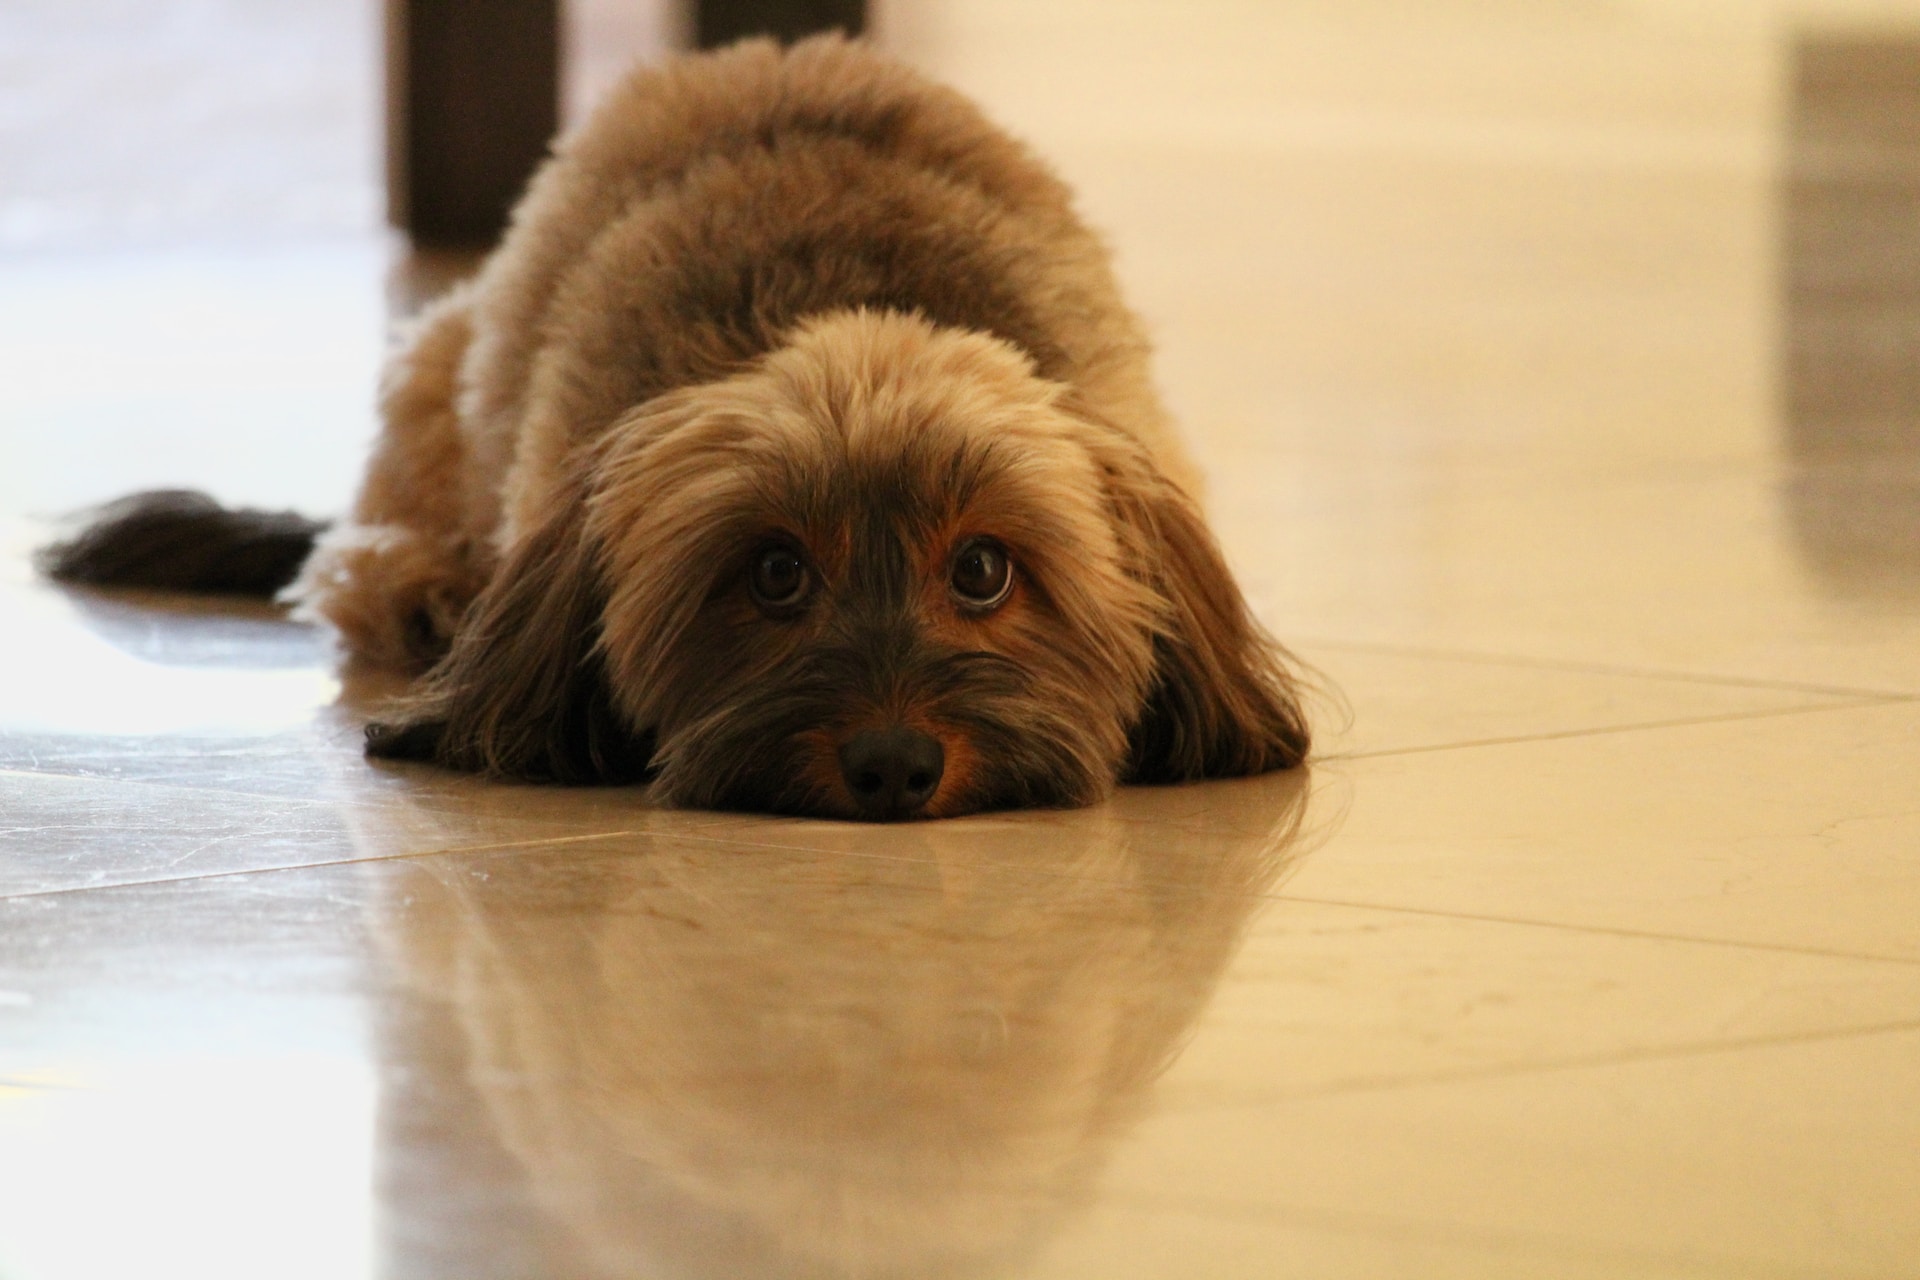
[1558, 369]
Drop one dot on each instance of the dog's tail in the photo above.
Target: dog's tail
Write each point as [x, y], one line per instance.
[182, 540]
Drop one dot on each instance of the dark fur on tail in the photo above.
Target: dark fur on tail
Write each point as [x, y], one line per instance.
[182, 540]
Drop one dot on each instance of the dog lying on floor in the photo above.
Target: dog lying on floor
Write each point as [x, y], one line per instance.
[795, 449]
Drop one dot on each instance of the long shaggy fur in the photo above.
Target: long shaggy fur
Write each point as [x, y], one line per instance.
[805, 299]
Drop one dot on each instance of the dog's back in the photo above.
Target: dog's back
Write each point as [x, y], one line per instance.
[712, 203]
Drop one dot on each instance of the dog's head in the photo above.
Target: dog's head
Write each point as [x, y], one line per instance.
[886, 572]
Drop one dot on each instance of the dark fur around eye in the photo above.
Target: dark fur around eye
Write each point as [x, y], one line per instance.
[982, 574]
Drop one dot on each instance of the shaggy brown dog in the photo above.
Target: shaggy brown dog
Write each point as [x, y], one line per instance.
[796, 448]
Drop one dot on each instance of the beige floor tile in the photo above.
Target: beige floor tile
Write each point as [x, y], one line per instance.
[217, 1168]
[610, 1035]
[537, 1056]
[1791, 1159]
[186, 1086]
[1382, 701]
[85, 664]
[1804, 576]
[1327, 1000]
[62, 833]
[1136, 1242]
[59, 833]
[1794, 831]
[1278, 814]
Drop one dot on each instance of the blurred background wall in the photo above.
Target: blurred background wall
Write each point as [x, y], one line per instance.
[149, 120]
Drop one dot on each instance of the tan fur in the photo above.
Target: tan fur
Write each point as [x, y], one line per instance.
[397, 577]
[797, 295]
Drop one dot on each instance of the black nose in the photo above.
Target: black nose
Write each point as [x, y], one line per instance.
[892, 772]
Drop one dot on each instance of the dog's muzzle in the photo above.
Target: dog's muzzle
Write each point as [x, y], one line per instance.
[892, 773]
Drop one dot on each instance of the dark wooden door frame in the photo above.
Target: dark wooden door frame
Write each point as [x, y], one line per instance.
[473, 99]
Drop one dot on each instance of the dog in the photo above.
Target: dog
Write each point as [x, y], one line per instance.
[795, 451]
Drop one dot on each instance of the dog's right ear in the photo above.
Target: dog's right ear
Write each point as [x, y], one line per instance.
[522, 693]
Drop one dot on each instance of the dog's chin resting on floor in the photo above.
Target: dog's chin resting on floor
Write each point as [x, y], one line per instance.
[796, 450]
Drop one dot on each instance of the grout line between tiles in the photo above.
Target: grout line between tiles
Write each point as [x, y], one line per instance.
[1652, 935]
[161, 784]
[1724, 717]
[450, 851]
[1414, 1230]
[701, 835]
[1477, 657]
[1584, 1062]
[152, 784]
[1277, 895]
[706, 835]
[1280, 895]
[374, 803]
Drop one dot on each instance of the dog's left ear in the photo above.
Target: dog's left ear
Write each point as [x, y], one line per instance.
[523, 693]
[1223, 702]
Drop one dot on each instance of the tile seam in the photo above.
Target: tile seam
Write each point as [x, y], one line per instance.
[449, 851]
[1650, 935]
[1865, 702]
[1482, 658]
[1418, 1230]
[1585, 1062]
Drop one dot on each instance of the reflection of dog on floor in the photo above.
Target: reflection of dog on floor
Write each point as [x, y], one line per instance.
[778, 1063]
[795, 448]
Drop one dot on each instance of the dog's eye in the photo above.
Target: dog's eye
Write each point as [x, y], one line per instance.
[779, 579]
[982, 575]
